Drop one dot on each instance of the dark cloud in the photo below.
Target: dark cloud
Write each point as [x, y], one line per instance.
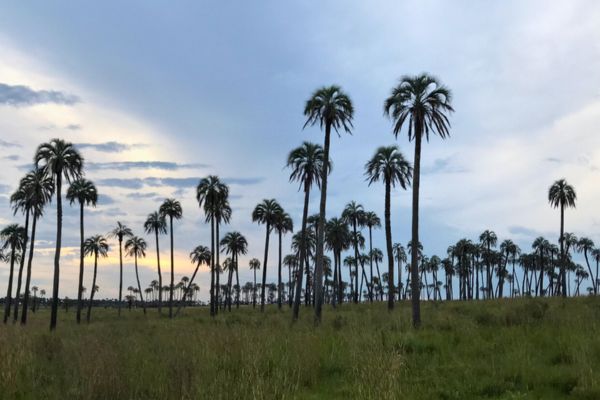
[4, 143]
[21, 96]
[442, 165]
[522, 230]
[127, 165]
[110, 212]
[553, 160]
[73, 127]
[138, 183]
[105, 200]
[140, 195]
[109, 147]
[12, 157]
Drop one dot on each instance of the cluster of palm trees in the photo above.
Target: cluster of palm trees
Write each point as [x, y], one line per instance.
[419, 105]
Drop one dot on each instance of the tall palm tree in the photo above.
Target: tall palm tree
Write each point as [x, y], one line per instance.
[306, 163]
[488, 239]
[35, 191]
[400, 255]
[291, 262]
[389, 165]
[136, 247]
[58, 159]
[234, 244]
[283, 225]
[371, 221]
[13, 237]
[212, 195]
[200, 255]
[94, 246]
[171, 208]
[266, 213]
[354, 215]
[561, 195]
[337, 239]
[85, 193]
[254, 265]
[422, 103]
[19, 203]
[329, 107]
[156, 224]
[120, 232]
[510, 250]
[586, 246]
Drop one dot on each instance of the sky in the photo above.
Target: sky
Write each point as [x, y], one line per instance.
[157, 95]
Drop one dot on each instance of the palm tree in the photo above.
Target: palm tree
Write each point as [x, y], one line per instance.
[34, 289]
[291, 262]
[488, 239]
[329, 107]
[254, 265]
[35, 190]
[58, 159]
[586, 246]
[120, 232]
[19, 202]
[200, 255]
[266, 213]
[94, 246]
[171, 208]
[306, 163]
[234, 244]
[354, 215]
[371, 221]
[510, 250]
[13, 237]
[156, 224]
[85, 193]
[212, 195]
[136, 247]
[283, 225]
[562, 195]
[400, 255]
[423, 104]
[389, 165]
[338, 239]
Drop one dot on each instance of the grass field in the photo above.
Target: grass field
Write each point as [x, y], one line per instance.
[511, 349]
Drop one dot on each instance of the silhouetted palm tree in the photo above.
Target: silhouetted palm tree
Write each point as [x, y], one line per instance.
[234, 244]
[423, 104]
[35, 191]
[283, 225]
[85, 193]
[354, 215]
[156, 224]
[400, 255]
[329, 107]
[18, 201]
[266, 213]
[13, 237]
[254, 265]
[94, 246]
[58, 159]
[561, 195]
[306, 163]
[120, 232]
[212, 195]
[371, 221]
[200, 255]
[388, 165]
[338, 239]
[136, 247]
[171, 208]
[488, 239]
[586, 246]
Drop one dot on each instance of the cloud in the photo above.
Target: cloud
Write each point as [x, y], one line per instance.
[4, 143]
[109, 147]
[128, 165]
[12, 157]
[105, 200]
[138, 183]
[442, 165]
[4, 189]
[73, 127]
[553, 160]
[110, 212]
[140, 195]
[22, 96]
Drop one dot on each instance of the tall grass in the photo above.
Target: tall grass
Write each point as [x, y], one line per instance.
[508, 349]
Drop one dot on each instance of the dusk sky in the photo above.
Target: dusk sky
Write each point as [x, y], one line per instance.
[158, 95]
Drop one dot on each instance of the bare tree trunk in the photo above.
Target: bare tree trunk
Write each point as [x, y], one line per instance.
[415, 297]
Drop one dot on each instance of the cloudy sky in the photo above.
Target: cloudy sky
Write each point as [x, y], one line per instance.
[157, 97]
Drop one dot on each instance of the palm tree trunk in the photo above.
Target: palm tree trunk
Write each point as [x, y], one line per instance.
[371, 262]
[590, 270]
[21, 266]
[159, 273]
[8, 298]
[212, 266]
[172, 270]
[388, 242]
[217, 267]
[89, 312]
[137, 276]
[237, 281]
[186, 291]
[302, 256]
[28, 277]
[254, 295]
[81, 265]
[54, 309]
[279, 288]
[415, 298]
[318, 289]
[264, 278]
[562, 250]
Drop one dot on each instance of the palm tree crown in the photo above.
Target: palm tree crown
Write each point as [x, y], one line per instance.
[306, 163]
[83, 191]
[171, 208]
[561, 194]
[136, 247]
[96, 246]
[155, 223]
[329, 106]
[389, 165]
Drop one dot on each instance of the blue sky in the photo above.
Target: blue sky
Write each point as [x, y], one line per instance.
[159, 95]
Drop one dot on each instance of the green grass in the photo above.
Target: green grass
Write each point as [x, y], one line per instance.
[511, 349]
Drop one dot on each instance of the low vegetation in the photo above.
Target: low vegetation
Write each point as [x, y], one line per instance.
[504, 349]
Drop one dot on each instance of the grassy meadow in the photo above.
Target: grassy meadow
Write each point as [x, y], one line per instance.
[502, 349]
